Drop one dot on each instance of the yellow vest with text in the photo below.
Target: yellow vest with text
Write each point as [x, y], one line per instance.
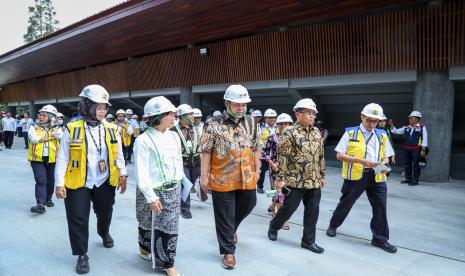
[125, 138]
[36, 151]
[357, 148]
[76, 172]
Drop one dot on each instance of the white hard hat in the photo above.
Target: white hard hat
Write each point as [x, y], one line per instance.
[184, 109]
[120, 111]
[109, 116]
[257, 113]
[95, 93]
[135, 116]
[373, 110]
[217, 113]
[49, 109]
[415, 114]
[158, 105]
[60, 114]
[383, 117]
[237, 93]
[129, 112]
[306, 103]
[270, 113]
[197, 112]
[284, 118]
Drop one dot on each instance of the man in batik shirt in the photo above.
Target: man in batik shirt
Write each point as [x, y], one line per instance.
[230, 152]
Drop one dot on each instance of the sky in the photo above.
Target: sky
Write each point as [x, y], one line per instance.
[14, 17]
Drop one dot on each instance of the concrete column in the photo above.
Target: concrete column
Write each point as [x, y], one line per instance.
[187, 97]
[32, 111]
[434, 98]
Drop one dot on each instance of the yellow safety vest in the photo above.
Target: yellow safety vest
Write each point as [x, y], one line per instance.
[266, 133]
[126, 139]
[36, 151]
[76, 173]
[357, 148]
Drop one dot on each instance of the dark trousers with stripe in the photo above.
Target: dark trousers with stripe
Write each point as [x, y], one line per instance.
[412, 169]
[230, 209]
[44, 175]
[377, 195]
[311, 199]
[26, 139]
[263, 168]
[77, 204]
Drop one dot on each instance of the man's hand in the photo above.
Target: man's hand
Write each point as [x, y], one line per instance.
[156, 206]
[278, 185]
[204, 183]
[368, 163]
[122, 184]
[422, 153]
[323, 183]
[60, 192]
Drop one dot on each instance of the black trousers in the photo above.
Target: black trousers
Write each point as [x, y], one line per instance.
[126, 153]
[192, 174]
[377, 195]
[311, 199]
[77, 204]
[263, 168]
[412, 157]
[8, 137]
[44, 175]
[131, 146]
[26, 139]
[230, 209]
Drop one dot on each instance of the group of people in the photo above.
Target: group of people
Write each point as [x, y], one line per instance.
[85, 162]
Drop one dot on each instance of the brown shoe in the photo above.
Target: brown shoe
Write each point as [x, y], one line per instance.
[229, 261]
[235, 238]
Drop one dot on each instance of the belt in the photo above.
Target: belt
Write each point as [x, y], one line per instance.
[368, 170]
[167, 186]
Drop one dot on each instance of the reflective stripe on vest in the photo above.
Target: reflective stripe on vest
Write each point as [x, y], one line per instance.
[36, 151]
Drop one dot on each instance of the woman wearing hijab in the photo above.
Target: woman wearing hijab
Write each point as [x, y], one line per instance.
[42, 149]
[159, 171]
[90, 165]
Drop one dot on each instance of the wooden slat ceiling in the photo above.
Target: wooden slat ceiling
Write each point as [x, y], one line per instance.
[143, 27]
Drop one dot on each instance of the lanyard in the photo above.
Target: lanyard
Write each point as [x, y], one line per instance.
[369, 138]
[184, 142]
[99, 147]
[159, 159]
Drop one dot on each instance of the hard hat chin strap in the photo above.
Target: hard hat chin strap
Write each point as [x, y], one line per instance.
[188, 119]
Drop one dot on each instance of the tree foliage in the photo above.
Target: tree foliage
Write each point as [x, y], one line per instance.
[41, 20]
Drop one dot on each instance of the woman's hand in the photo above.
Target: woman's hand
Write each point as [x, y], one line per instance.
[156, 206]
[60, 192]
[122, 184]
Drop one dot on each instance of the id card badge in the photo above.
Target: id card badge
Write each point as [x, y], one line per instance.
[102, 166]
[189, 144]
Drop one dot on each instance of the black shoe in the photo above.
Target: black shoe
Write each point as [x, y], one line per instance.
[385, 246]
[272, 234]
[413, 184]
[108, 241]
[260, 190]
[49, 203]
[313, 247]
[331, 232]
[405, 181]
[186, 215]
[82, 266]
[39, 209]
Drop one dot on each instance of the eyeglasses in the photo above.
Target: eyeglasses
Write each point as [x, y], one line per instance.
[308, 113]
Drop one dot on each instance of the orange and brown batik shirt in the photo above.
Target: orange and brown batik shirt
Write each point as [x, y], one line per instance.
[232, 146]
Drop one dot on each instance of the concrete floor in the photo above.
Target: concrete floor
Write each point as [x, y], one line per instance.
[427, 223]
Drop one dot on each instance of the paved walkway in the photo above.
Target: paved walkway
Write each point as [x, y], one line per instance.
[427, 223]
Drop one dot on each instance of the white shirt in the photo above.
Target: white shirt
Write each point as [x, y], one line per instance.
[200, 128]
[148, 175]
[424, 139]
[35, 139]
[25, 124]
[272, 129]
[134, 124]
[372, 146]
[94, 176]
[9, 124]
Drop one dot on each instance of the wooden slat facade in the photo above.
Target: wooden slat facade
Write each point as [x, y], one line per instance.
[411, 39]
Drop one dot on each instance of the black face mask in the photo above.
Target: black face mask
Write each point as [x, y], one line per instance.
[88, 111]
